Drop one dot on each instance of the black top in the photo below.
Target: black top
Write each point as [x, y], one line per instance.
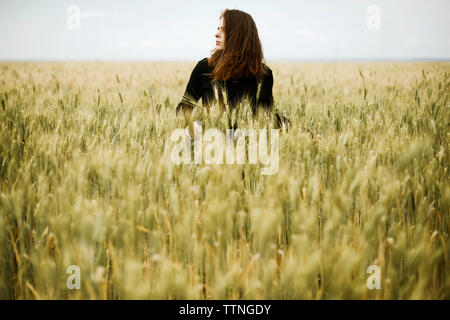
[201, 86]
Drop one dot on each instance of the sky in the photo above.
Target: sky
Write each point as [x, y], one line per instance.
[185, 30]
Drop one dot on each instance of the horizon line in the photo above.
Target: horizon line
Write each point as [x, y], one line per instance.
[352, 59]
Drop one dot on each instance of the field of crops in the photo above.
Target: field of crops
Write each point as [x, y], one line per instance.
[86, 180]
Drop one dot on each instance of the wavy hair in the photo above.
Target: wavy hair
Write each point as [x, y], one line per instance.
[242, 55]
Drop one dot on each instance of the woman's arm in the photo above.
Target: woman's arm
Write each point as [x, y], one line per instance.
[193, 90]
[265, 99]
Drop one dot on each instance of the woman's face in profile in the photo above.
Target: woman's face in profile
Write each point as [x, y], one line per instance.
[220, 35]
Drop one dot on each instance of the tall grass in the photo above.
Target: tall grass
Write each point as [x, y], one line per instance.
[86, 179]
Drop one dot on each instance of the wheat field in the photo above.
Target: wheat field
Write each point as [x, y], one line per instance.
[86, 180]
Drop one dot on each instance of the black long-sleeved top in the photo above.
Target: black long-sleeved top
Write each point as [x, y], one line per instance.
[202, 86]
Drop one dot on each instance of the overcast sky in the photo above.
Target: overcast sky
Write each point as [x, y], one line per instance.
[184, 30]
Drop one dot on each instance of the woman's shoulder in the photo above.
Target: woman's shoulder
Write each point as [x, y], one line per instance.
[266, 67]
[201, 68]
[268, 76]
[203, 65]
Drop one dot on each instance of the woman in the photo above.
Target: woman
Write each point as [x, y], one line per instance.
[235, 68]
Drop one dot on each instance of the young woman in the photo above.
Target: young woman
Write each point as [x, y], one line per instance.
[235, 70]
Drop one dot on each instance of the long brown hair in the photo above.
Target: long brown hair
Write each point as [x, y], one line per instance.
[242, 55]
